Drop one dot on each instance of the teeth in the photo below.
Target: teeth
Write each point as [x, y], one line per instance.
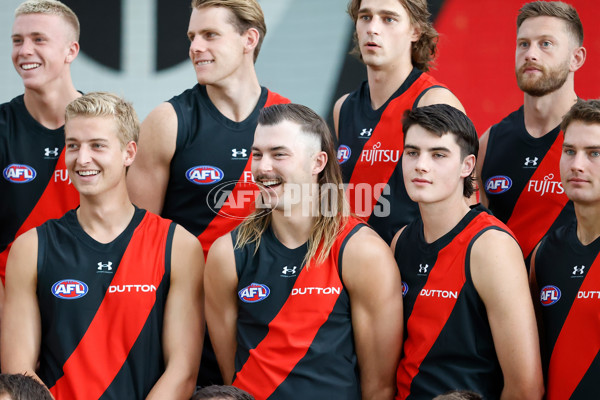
[30, 66]
[204, 62]
[87, 173]
[270, 182]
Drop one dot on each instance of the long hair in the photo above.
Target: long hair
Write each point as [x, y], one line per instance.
[424, 49]
[333, 208]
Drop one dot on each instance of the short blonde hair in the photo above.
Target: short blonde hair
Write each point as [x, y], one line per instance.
[50, 7]
[104, 104]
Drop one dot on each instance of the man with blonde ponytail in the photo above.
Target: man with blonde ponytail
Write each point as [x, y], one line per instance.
[279, 287]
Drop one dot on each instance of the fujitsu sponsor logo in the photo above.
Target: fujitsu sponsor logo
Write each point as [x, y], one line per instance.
[131, 288]
[442, 294]
[588, 294]
[377, 155]
[545, 186]
[316, 290]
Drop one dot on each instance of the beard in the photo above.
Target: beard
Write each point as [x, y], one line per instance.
[551, 79]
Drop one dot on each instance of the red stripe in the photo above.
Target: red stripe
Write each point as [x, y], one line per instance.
[429, 316]
[58, 198]
[530, 220]
[578, 342]
[387, 135]
[240, 203]
[290, 335]
[100, 354]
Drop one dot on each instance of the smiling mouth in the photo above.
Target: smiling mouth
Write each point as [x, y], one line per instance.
[30, 66]
[87, 173]
[205, 62]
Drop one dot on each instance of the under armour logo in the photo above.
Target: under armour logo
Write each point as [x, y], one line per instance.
[529, 161]
[578, 270]
[366, 132]
[48, 152]
[290, 270]
[108, 266]
[237, 153]
[423, 268]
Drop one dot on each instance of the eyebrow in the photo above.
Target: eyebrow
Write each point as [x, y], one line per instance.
[593, 147]
[276, 148]
[441, 148]
[380, 12]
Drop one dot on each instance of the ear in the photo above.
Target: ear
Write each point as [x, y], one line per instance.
[577, 58]
[415, 33]
[72, 53]
[320, 162]
[468, 165]
[251, 37]
[130, 152]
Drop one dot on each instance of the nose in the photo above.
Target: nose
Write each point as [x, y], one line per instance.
[84, 155]
[26, 47]
[262, 165]
[373, 26]
[422, 164]
[531, 54]
[577, 161]
[197, 45]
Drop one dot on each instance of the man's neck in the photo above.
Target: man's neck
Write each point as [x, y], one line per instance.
[588, 222]
[441, 217]
[47, 106]
[543, 114]
[385, 81]
[292, 231]
[237, 97]
[106, 216]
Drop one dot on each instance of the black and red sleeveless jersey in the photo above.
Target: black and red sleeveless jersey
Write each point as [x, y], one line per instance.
[370, 151]
[521, 178]
[568, 277]
[101, 307]
[210, 188]
[35, 185]
[294, 326]
[448, 342]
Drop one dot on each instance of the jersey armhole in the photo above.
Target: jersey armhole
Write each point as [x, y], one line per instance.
[169, 251]
[468, 277]
[343, 246]
[425, 91]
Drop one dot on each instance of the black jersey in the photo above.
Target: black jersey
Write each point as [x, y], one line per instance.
[521, 179]
[211, 160]
[101, 307]
[449, 342]
[294, 327]
[370, 150]
[35, 185]
[568, 277]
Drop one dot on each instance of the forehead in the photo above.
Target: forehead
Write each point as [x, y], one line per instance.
[542, 26]
[48, 24]
[84, 128]
[283, 134]
[211, 18]
[383, 5]
[422, 138]
[582, 134]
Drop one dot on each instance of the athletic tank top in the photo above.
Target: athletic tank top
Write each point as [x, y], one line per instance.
[449, 342]
[35, 185]
[568, 278]
[294, 326]
[101, 307]
[370, 151]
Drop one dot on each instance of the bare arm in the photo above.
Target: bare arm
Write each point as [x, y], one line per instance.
[373, 281]
[21, 327]
[483, 142]
[148, 176]
[440, 95]
[500, 277]
[336, 114]
[183, 329]
[221, 304]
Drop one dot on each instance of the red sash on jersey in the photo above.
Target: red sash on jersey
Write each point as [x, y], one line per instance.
[578, 342]
[100, 354]
[387, 136]
[289, 338]
[429, 314]
[529, 220]
[57, 199]
[240, 202]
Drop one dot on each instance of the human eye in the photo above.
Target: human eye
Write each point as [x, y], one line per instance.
[256, 155]
[71, 146]
[364, 17]
[568, 151]
[546, 44]
[389, 19]
[595, 153]
[17, 40]
[410, 153]
[210, 35]
[438, 155]
[523, 44]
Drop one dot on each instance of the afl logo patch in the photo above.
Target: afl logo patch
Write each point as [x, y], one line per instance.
[343, 154]
[404, 288]
[549, 295]
[19, 173]
[204, 175]
[498, 184]
[69, 289]
[254, 293]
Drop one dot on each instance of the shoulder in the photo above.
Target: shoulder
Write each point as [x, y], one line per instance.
[495, 249]
[221, 250]
[22, 259]
[365, 245]
[440, 95]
